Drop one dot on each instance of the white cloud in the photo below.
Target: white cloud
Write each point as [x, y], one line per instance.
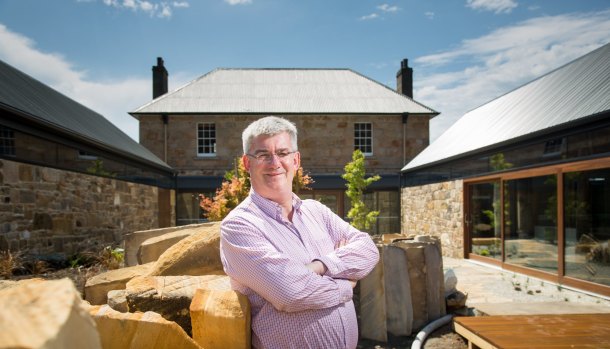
[503, 60]
[497, 6]
[429, 14]
[112, 99]
[369, 17]
[388, 8]
[161, 9]
[238, 2]
[180, 4]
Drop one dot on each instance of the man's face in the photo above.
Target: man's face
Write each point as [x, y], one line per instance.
[272, 177]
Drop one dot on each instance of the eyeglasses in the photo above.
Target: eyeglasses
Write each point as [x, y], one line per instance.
[267, 157]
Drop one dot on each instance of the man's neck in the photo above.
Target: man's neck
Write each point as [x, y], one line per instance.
[285, 202]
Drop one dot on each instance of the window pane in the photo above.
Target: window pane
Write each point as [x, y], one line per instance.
[363, 137]
[587, 225]
[206, 139]
[484, 219]
[530, 222]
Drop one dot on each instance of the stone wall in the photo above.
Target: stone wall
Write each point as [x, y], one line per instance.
[326, 142]
[45, 210]
[437, 210]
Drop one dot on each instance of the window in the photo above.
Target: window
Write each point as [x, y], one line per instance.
[85, 155]
[363, 137]
[7, 141]
[206, 139]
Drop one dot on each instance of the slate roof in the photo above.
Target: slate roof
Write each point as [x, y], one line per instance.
[283, 91]
[41, 105]
[576, 91]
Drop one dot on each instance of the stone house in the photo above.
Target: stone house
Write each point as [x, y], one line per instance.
[69, 179]
[523, 182]
[196, 129]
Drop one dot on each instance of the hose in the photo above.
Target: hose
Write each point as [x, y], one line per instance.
[431, 327]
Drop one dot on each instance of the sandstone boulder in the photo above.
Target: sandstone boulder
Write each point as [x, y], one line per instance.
[221, 319]
[198, 254]
[170, 296]
[45, 314]
[135, 239]
[138, 330]
[97, 287]
[152, 248]
[117, 300]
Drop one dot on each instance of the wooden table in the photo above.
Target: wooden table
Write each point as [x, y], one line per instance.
[535, 331]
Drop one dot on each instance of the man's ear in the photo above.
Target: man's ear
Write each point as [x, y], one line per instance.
[246, 160]
[297, 160]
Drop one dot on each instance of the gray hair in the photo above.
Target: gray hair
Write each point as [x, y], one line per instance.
[269, 126]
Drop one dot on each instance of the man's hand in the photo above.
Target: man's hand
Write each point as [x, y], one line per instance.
[317, 267]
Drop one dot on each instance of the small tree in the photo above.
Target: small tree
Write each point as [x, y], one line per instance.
[236, 187]
[361, 216]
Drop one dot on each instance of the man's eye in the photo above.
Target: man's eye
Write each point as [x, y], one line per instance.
[282, 154]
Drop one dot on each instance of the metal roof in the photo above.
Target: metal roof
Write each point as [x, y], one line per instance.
[286, 91]
[575, 91]
[39, 104]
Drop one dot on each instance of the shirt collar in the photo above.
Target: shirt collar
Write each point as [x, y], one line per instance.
[272, 208]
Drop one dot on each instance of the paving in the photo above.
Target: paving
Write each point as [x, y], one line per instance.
[493, 291]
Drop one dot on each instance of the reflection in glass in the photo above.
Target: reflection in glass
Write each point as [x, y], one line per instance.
[530, 222]
[484, 219]
[587, 225]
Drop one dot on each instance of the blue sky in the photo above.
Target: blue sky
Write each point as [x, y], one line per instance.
[463, 52]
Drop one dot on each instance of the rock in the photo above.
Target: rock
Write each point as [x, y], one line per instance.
[221, 319]
[198, 254]
[399, 307]
[97, 287]
[135, 239]
[456, 300]
[372, 303]
[138, 330]
[117, 300]
[450, 282]
[45, 314]
[417, 273]
[152, 248]
[170, 296]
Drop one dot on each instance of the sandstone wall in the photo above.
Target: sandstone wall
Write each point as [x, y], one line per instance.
[326, 142]
[45, 210]
[437, 210]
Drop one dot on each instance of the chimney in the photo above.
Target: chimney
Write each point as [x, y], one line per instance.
[404, 79]
[159, 79]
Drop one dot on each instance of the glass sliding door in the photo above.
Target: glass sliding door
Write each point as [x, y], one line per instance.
[483, 219]
[587, 225]
[530, 222]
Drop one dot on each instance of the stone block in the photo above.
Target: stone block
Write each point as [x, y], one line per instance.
[152, 248]
[198, 254]
[97, 287]
[45, 314]
[135, 239]
[417, 274]
[399, 307]
[170, 296]
[372, 303]
[138, 330]
[221, 319]
[117, 300]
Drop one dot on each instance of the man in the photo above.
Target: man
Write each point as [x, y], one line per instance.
[295, 260]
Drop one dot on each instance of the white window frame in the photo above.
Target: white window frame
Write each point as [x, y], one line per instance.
[360, 141]
[201, 139]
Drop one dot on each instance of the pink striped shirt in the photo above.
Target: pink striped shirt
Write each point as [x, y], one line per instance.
[265, 256]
